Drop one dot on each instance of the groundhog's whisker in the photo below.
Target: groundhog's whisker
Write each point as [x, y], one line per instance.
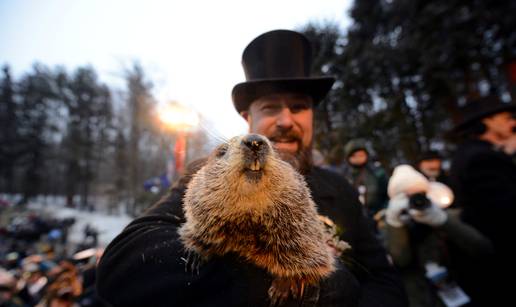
[213, 133]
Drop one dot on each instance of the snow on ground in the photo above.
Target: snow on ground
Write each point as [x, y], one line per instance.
[108, 226]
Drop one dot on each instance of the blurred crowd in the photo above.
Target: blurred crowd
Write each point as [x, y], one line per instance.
[446, 229]
[39, 267]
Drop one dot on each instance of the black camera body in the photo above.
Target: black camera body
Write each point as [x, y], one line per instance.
[419, 201]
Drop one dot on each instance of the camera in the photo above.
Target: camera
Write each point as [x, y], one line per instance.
[419, 201]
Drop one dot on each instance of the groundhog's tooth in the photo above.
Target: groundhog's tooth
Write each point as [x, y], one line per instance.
[255, 166]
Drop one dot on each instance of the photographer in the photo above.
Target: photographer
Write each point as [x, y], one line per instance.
[421, 237]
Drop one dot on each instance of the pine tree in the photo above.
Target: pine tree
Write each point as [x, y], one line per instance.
[405, 66]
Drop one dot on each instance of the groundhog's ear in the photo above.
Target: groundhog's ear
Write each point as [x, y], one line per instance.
[195, 166]
[192, 168]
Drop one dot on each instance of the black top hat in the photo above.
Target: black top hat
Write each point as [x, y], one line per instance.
[478, 109]
[278, 61]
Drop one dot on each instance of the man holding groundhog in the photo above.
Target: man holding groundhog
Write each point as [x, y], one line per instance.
[146, 265]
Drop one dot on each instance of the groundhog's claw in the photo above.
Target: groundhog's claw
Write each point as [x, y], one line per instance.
[281, 288]
[279, 291]
[192, 262]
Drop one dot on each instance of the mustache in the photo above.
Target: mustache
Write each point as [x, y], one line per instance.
[282, 135]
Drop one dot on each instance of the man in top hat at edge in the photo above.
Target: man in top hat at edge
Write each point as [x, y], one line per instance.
[277, 101]
[483, 177]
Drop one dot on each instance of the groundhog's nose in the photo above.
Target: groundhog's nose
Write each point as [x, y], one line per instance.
[253, 141]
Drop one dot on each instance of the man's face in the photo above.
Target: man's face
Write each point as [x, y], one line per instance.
[501, 124]
[358, 158]
[431, 168]
[287, 120]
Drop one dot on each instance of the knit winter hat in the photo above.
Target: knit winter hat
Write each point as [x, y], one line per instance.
[353, 146]
[440, 194]
[405, 179]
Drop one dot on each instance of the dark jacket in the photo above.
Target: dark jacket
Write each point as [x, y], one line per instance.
[145, 264]
[414, 245]
[375, 180]
[484, 181]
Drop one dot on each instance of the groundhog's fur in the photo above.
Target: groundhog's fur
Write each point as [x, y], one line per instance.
[269, 219]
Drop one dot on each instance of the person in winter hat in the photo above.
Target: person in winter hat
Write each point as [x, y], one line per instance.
[405, 182]
[430, 164]
[369, 179]
[422, 239]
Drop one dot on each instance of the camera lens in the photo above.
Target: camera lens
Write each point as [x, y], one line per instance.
[419, 201]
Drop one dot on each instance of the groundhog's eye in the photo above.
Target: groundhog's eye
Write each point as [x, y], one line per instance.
[221, 150]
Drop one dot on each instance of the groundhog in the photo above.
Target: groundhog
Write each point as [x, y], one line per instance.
[246, 200]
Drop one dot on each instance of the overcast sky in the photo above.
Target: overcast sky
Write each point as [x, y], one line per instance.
[190, 50]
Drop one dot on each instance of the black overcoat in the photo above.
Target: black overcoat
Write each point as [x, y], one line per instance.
[145, 264]
[484, 182]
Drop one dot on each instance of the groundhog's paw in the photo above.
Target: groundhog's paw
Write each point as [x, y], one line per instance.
[282, 288]
[279, 291]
